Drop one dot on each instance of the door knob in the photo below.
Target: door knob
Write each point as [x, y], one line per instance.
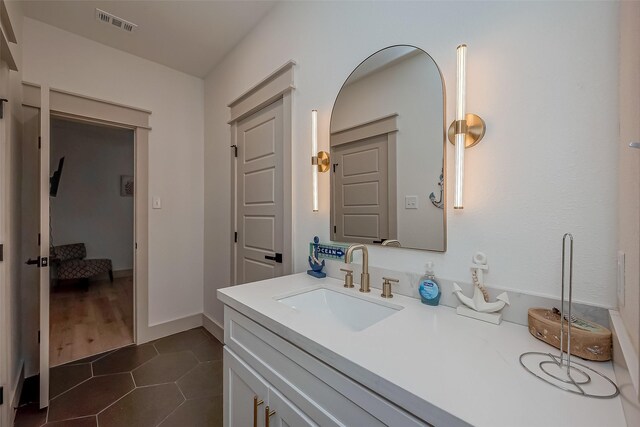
[277, 258]
[39, 262]
[634, 144]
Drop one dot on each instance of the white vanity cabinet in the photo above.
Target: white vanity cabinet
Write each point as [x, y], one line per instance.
[302, 390]
[250, 401]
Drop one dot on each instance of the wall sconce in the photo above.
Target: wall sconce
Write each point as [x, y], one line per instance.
[319, 159]
[467, 130]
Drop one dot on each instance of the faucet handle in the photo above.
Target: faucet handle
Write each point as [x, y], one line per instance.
[348, 278]
[386, 287]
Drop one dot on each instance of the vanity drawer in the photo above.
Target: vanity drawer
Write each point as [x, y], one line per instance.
[314, 387]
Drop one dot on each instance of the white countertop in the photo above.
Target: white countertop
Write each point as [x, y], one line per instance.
[444, 368]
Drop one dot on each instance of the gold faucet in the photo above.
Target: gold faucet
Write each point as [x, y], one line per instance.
[364, 277]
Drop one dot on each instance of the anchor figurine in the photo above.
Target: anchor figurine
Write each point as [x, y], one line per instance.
[478, 306]
[314, 262]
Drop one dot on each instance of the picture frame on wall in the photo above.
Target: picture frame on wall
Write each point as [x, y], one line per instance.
[126, 185]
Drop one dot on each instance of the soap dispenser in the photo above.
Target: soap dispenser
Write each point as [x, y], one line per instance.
[429, 289]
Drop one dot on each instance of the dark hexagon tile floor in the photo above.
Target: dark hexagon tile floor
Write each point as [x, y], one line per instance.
[200, 412]
[90, 397]
[183, 341]
[64, 377]
[173, 381]
[143, 407]
[76, 422]
[124, 360]
[164, 368]
[205, 380]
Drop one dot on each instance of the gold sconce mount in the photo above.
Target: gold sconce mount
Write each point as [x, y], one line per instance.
[322, 161]
[475, 130]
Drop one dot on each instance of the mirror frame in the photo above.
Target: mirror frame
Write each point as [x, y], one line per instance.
[444, 150]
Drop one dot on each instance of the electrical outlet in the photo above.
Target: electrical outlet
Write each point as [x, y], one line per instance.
[620, 278]
[156, 203]
[411, 202]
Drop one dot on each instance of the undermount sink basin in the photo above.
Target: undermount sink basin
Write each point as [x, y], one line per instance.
[327, 305]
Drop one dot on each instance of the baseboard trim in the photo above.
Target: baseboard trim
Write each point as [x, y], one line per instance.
[122, 273]
[17, 392]
[117, 274]
[213, 327]
[626, 366]
[171, 327]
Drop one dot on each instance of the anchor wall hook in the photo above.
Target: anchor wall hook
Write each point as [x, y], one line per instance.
[438, 203]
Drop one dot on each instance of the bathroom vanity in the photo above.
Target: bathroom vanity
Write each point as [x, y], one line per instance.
[301, 351]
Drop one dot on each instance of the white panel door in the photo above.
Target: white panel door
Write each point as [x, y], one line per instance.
[260, 195]
[361, 190]
[30, 229]
[35, 203]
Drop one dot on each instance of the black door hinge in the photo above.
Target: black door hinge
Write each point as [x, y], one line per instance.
[38, 336]
[136, 245]
[1, 395]
[39, 142]
[235, 150]
[235, 237]
[2, 101]
[1, 252]
[38, 239]
[335, 229]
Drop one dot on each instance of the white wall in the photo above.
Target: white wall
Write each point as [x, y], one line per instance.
[89, 208]
[70, 62]
[543, 75]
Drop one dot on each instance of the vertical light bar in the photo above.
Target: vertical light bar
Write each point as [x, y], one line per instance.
[314, 154]
[461, 125]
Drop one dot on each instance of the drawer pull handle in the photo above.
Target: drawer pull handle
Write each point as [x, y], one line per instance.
[256, 402]
[267, 415]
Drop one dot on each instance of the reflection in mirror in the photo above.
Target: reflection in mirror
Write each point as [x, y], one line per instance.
[387, 153]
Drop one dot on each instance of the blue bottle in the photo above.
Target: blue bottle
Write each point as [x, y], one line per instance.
[429, 289]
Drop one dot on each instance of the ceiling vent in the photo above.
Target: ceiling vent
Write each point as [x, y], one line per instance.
[108, 18]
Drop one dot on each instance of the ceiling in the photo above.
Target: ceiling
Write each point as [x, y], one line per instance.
[189, 36]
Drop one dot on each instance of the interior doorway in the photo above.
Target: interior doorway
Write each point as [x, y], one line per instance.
[91, 239]
[43, 104]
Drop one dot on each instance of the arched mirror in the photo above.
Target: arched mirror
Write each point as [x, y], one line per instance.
[388, 153]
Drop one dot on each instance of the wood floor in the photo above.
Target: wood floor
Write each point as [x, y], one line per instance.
[87, 322]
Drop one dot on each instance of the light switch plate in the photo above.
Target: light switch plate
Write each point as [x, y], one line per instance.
[620, 279]
[411, 202]
[156, 203]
